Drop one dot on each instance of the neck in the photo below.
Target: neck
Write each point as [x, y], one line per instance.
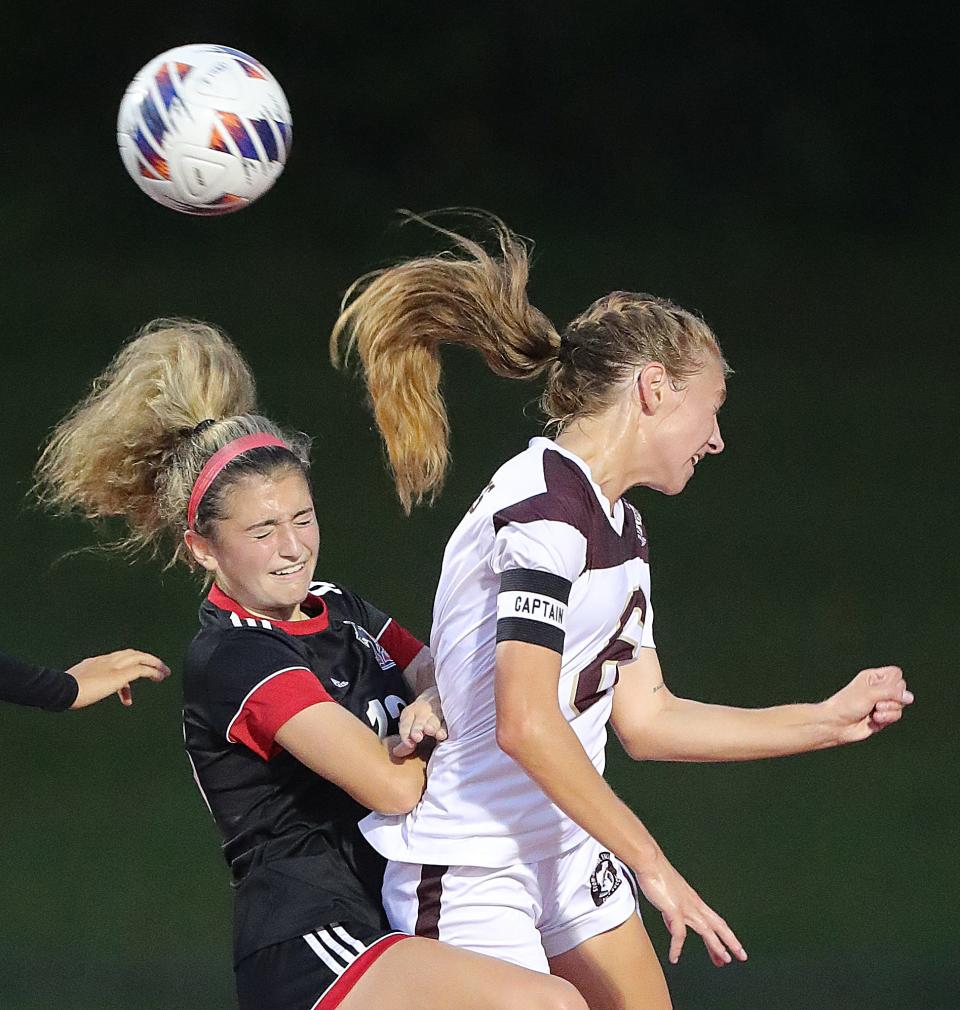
[294, 613]
[603, 444]
[284, 614]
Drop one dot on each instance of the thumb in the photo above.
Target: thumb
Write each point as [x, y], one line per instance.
[403, 748]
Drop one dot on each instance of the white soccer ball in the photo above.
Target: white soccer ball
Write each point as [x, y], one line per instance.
[204, 129]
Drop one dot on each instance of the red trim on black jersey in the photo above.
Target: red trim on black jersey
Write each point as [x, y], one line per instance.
[401, 646]
[270, 704]
[341, 989]
[319, 619]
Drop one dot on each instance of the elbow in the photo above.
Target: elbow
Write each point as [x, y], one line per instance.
[640, 744]
[395, 805]
[636, 750]
[516, 737]
[401, 795]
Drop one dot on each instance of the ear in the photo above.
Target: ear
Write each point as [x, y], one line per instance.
[652, 384]
[201, 549]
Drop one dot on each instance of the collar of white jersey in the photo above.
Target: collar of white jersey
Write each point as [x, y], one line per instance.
[613, 513]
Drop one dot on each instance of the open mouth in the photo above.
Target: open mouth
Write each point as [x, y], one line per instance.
[290, 569]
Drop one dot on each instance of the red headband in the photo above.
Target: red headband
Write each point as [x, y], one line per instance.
[218, 461]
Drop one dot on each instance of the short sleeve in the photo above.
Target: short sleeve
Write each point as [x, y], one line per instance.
[646, 639]
[537, 561]
[399, 644]
[255, 681]
[545, 545]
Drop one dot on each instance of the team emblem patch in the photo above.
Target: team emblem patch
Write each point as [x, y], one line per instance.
[380, 653]
[604, 880]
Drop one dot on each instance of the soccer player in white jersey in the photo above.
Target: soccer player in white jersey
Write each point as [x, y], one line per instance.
[543, 625]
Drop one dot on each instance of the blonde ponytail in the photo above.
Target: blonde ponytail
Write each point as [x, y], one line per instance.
[396, 320]
[134, 446]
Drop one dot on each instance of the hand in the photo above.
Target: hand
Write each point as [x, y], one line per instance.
[681, 906]
[421, 718]
[102, 675]
[875, 698]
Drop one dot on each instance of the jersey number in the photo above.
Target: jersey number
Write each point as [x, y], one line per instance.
[377, 712]
[602, 674]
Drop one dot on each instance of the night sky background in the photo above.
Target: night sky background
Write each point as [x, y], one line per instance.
[789, 172]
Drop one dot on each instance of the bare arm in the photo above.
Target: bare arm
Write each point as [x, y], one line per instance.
[335, 744]
[533, 731]
[654, 724]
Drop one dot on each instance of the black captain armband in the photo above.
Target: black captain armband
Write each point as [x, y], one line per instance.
[532, 607]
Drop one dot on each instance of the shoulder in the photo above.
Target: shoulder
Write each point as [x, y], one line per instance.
[343, 604]
[546, 485]
[239, 656]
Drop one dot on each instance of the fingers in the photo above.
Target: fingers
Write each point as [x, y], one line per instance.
[433, 726]
[887, 682]
[886, 712]
[678, 934]
[719, 939]
[415, 725]
[880, 675]
[125, 695]
[132, 659]
[728, 938]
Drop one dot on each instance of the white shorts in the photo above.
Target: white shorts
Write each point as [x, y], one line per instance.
[524, 913]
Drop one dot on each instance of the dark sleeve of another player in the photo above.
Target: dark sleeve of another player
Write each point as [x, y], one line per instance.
[400, 645]
[255, 681]
[37, 686]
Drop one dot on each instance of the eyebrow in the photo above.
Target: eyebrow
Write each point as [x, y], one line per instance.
[274, 522]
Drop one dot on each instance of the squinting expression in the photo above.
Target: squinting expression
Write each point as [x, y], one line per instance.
[689, 429]
[265, 551]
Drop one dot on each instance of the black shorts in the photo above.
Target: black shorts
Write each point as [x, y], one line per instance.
[312, 972]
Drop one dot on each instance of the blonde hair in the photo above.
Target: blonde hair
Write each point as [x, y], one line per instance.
[397, 318]
[135, 445]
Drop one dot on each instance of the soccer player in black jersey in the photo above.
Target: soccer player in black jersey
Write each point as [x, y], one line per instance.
[292, 687]
[90, 681]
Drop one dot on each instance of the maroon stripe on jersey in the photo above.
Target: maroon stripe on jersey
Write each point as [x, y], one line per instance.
[616, 650]
[401, 646]
[570, 498]
[429, 893]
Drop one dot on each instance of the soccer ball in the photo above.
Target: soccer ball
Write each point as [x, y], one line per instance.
[204, 129]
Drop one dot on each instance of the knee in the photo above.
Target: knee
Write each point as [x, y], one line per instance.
[561, 995]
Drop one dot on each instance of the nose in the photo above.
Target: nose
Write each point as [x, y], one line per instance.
[715, 444]
[288, 543]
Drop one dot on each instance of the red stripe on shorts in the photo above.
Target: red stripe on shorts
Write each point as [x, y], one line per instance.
[340, 989]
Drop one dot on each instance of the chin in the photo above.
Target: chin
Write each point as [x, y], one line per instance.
[671, 488]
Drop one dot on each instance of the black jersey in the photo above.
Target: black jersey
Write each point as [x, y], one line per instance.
[37, 686]
[290, 837]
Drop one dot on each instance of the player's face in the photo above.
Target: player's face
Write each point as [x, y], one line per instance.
[265, 550]
[687, 428]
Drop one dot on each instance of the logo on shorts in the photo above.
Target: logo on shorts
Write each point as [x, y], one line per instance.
[604, 880]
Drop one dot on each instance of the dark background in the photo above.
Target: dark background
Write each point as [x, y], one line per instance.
[789, 171]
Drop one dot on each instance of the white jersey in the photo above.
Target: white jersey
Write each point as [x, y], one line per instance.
[540, 557]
